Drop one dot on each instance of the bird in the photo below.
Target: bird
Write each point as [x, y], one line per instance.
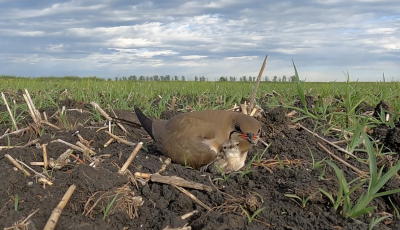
[194, 139]
[230, 159]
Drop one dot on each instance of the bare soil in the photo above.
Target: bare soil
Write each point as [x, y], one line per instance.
[286, 169]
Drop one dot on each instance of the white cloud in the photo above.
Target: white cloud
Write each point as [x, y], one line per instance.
[228, 37]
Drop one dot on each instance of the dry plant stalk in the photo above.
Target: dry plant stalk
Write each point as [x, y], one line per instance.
[125, 201]
[118, 124]
[9, 111]
[253, 95]
[174, 180]
[61, 161]
[120, 140]
[187, 215]
[85, 148]
[182, 228]
[108, 142]
[362, 173]
[75, 157]
[50, 124]
[164, 166]
[31, 109]
[22, 146]
[16, 132]
[130, 158]
[55, 215]
[69, 145]
[172, 103]
[243, 107]
[16, 164]
[268, 163]
[253, 112]
[191, 196]
[330, 143]
[25, 224]
[42, 178]
[101, 111]
[44, 149]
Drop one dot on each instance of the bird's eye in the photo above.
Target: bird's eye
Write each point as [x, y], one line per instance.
[237, 128]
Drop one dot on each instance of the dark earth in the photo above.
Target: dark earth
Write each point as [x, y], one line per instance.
[285, 168]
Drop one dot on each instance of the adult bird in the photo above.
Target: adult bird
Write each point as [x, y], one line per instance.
[194, 139]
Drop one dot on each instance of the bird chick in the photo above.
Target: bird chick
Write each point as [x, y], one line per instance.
[230, 159]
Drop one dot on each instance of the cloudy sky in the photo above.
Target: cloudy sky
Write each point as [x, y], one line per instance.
[109, 38]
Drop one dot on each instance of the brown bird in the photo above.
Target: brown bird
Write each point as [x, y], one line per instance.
[194, 139]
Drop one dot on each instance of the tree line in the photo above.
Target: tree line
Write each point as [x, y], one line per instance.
[202, 78]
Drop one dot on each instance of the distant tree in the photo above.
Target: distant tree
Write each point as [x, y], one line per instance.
[124, 78]
[176, 78]
[244, 78]
[202, 78]
[266, 78]
[292, 78]
[147, 78]
[156, 78]
[196, 78]
[162, 78]
[223, 79]
[116, 78]
[275, 78]
[232, 78]
[284, 78]
[167, 78]
[183, 78]
[279, 79]
[151, 78]
[141, 78]
[254, 78]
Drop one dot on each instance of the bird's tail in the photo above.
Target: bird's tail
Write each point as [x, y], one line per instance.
[146, 122]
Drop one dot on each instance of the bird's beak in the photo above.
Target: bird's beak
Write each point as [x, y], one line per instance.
[250, 137]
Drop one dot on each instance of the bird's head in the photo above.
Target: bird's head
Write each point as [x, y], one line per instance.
[245, 128]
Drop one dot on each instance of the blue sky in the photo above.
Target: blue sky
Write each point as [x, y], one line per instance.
[107, 38]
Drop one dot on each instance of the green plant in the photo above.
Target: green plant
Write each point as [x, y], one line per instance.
[318, 164]
[260, 156]
[246, 169]
[107, 209]
[251, 217]
[16, 202]
[280, 163]
[396, 211]
[321, 176]
[303, 200]
[375, 221]
[224, 176]
[302, 96]
[375, 183]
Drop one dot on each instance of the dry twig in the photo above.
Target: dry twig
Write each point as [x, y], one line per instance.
[120, 140]
[16, 164]
[330, 143]
[253, 95]
[9, 111]
[191, 196]
[55, 215]
[362, 173]
[130, 158]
